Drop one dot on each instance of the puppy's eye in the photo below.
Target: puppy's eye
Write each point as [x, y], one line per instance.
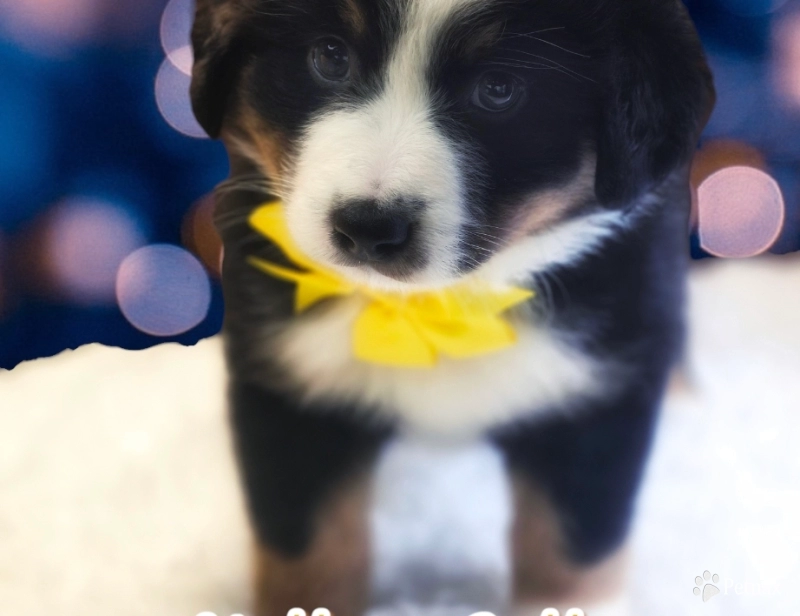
[497, 91]
[330, 58]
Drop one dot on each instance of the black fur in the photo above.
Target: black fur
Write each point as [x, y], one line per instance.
[293, 459]
[634, 89]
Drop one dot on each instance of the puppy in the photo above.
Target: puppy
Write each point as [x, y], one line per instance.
[415, 144]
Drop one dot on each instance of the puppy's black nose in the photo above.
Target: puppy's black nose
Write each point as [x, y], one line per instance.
[370, 231]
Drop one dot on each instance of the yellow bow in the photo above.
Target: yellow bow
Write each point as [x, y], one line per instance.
[399, 329]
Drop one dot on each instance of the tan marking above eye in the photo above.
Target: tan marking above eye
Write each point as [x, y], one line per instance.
[353, 16]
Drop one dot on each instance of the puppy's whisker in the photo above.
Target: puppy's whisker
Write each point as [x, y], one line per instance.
[546, 42]
[481, 226]
[535, 66]
[495, 240]
[547, 60]
[542, 31]
[529, 66]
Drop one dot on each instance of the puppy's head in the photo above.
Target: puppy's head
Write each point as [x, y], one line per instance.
[413, 140]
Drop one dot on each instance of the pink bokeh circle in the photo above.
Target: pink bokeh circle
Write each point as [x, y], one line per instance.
[741, 212]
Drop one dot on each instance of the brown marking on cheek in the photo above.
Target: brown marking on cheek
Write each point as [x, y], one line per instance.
[546, 209]
[223, 18]
[249, 136]
[543, 573]
[541, 213]
[333, 574]
[354, 17]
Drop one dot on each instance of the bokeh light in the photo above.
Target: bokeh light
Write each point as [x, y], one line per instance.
[83, 243]
[172, 97]
[787, 59]
[163, 290]
[176, 27]
[719, 154]
[741, 212]
[57, 27]
[49, 25]
[200, 236]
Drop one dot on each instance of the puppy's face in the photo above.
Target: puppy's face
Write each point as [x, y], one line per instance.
[413, 140]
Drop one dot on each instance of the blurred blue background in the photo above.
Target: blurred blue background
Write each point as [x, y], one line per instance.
[105, 216]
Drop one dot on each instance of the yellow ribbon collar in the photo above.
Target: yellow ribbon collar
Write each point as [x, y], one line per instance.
[398, 329]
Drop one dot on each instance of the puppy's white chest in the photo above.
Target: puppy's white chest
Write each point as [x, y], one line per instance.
[456, 397]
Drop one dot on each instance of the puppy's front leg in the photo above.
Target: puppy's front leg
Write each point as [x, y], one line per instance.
[305, 474]
[577, 475]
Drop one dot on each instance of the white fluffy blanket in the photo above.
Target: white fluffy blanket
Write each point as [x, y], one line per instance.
[118, 493]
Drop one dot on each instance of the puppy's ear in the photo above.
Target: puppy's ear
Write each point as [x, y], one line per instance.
[659, 96]
[215, 53]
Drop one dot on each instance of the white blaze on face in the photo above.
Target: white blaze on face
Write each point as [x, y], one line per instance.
[385, 149]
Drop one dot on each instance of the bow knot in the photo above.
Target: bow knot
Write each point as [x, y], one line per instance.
[398, 329]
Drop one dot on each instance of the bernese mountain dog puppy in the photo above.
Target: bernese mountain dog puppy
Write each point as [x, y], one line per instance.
[416, 144]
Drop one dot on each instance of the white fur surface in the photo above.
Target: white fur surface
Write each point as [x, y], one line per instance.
[118, 493]
[454, 399]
